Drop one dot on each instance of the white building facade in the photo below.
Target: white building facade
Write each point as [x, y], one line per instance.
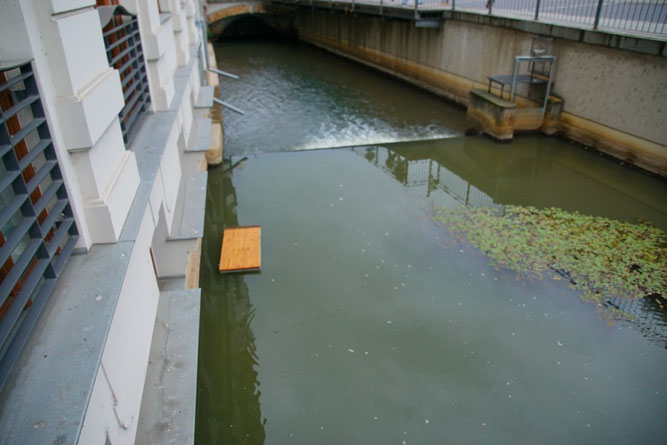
[124, 111]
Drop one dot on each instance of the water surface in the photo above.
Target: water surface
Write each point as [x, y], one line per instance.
[298, 97]
[368, 323]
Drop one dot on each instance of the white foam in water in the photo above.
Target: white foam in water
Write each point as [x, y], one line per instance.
[357, 131]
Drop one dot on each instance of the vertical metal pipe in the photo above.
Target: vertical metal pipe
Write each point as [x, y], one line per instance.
[453, 5]
[514, 74]
[597, 15]
[653, 19]
[381, 7]
[202, 25]
[537, 10]
[548, 93]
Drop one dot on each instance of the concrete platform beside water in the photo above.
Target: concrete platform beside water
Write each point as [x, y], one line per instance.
[168, 404]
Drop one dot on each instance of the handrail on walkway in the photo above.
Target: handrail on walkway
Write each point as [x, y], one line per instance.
[637, 17]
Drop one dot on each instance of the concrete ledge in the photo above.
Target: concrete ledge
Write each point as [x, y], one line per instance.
[168, 405]
[46, 396]
[205, 97]
[492, 115]
[640, 152]
[200, 135]
[188, 217]
[493, 99]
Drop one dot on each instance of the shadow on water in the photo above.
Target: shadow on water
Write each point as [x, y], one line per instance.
[228, 389]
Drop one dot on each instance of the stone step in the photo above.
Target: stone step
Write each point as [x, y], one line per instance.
[205, 97]
[189, 216]
[200, 135]
[167, 413]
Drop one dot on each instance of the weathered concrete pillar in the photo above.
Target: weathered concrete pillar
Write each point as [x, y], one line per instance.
[492, 115]
[552, 115]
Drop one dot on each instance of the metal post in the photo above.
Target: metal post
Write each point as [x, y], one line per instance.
[537, 10]
[453, 5]
[514, 74]
[416, 11]
[381, 6]
[546, 98]
[490, 3]
[597, 15]
[202, 25]
[208, 62]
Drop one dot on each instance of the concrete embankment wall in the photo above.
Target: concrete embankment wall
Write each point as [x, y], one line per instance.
[615, 100]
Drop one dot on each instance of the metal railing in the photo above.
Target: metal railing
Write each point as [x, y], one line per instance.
[37, 229]
[631, 16]
[124, 53]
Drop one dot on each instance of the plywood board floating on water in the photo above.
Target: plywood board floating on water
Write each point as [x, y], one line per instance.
[241, 249]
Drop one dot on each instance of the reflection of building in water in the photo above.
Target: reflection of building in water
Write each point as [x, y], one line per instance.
[415, 169]
[427, 173]
[228, 409]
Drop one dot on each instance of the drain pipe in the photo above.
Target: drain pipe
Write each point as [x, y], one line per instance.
[226, 105]
[202, 25]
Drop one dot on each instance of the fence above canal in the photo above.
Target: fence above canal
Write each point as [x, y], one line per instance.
[635, 17]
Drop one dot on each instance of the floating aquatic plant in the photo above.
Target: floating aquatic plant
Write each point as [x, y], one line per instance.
[602, 258]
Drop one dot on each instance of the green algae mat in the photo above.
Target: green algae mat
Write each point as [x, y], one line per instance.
[602, 258]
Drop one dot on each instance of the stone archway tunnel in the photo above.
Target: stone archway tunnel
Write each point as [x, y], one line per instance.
[245, 19]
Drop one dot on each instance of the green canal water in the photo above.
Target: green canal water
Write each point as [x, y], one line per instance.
[370, 324]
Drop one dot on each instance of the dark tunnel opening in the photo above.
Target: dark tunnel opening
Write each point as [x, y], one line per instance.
[249, 26]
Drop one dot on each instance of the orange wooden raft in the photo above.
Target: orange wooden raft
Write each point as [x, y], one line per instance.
[241, 249]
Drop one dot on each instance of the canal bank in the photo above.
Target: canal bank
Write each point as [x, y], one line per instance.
[368, 321]
[614, 100]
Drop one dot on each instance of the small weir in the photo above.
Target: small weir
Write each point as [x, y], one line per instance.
[369, 322]
[297, 97]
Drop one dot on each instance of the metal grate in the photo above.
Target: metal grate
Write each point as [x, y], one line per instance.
[124, 53]
[37, 229]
